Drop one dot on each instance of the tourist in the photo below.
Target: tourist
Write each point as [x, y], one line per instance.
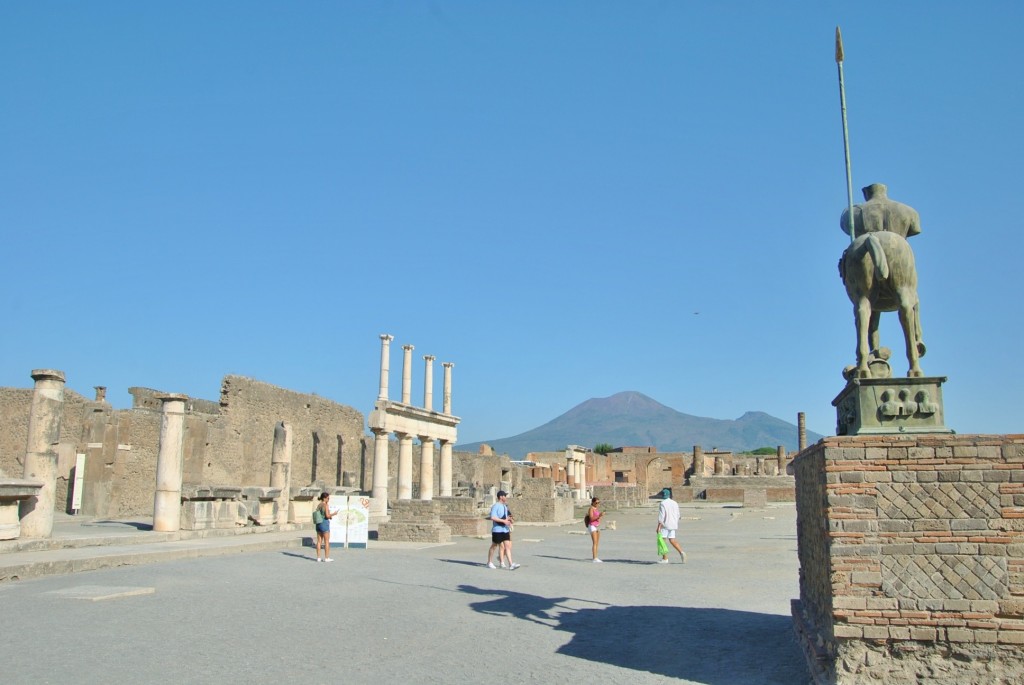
[668, 522]
[501, 533]
[593, 523]
[322, 521]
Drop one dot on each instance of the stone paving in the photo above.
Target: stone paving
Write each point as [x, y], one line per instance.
[411, 613]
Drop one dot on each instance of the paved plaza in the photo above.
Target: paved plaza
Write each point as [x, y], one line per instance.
[410, 613]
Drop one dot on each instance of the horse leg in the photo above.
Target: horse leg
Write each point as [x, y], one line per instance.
[862, 315]
[908, 307]
[874, 340]
[917, 327]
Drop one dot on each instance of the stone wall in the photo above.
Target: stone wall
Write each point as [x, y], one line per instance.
[912, 558]
[732, 488]
[226, 443]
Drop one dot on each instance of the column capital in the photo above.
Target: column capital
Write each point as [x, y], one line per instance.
[386, 338]
[172, 397]
[408, 348]
[429, 357]
[447, 365]
[47, 375]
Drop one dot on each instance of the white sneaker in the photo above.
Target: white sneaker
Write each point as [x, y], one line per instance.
[598, 561]
[319, 559]
[663, 561]
[682, 557]
[504, 565]
[513, 567]
[328, 559]
[490, 564]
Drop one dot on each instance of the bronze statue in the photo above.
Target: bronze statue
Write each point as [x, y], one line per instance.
[880, 276]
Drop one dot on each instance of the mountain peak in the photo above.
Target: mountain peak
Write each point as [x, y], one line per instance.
[632, 418]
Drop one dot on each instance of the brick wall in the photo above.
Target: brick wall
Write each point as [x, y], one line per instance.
[912, 558]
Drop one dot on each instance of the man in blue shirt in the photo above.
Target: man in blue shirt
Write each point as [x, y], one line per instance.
[501, 533]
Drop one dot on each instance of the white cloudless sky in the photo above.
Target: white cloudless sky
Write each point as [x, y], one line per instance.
[565, 199]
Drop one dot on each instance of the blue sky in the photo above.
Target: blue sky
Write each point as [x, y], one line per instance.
[566, 199]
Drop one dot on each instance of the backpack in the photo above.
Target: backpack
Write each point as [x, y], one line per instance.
[318, 516]
[586, 520]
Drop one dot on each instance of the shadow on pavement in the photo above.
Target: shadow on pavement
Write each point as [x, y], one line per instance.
[605, 560]
[705, 645]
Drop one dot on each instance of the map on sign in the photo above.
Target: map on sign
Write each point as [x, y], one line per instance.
[351, 524]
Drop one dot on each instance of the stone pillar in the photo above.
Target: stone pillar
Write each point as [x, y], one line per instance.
[167, 501]
[447, 397]
[780, 454]
[801, 427]
[380, 473]
[428, 382]
[570, 470]
[407, 375]
[698, 461]
[404, 466]
[281, 469]
[101, 392]
[385, 362]
[446, 469]
[719, 466]
[36, 512]
[582, 468]
[426, 467]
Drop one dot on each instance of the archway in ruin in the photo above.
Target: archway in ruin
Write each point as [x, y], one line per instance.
[658, 474]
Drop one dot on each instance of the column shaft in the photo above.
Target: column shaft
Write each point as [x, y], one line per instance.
[428, 383]
[407, 375]
[385, 362]
[167, 501]
[447, 397]
[281, 469]
[404, 466]
[446, 469]
[380, 473]
[36, 513]
[426, 467]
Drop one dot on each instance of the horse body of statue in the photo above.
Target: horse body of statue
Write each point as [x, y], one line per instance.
[879, 273]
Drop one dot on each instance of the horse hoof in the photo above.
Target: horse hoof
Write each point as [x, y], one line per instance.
[915, 373]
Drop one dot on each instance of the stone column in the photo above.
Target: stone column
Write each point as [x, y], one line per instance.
[380, 473]
[385, 362]
[446, 469]
[404, 466]
[719, 466]
[801, 427]
[570, 470]
[780, 454]
[167, 501]
[36, 513]
[447, 397]
[698, 461]
[407, 375]
[281, 469]
[428, 382]
[582, 466]
[426, 467]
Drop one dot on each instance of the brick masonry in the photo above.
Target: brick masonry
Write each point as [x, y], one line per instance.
[912, 558]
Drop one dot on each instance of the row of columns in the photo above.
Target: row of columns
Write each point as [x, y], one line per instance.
[576, 473]
[405, 440]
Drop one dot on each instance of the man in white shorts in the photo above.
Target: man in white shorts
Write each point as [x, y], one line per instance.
[668, 522]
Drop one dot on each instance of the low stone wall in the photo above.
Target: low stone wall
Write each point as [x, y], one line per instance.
[414, 521]
[912, 558]
[731, 488]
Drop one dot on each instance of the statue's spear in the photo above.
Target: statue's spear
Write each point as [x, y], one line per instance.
[846, 132]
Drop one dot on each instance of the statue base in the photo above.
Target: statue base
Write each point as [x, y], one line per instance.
[870, 406]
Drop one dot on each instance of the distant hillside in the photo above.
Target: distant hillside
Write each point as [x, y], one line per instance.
[633, 419]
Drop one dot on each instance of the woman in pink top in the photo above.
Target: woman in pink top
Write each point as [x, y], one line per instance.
[594, 526]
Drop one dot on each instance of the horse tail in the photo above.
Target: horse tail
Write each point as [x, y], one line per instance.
[878, 255]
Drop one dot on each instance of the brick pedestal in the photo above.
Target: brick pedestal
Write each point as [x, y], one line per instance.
[912, 558]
